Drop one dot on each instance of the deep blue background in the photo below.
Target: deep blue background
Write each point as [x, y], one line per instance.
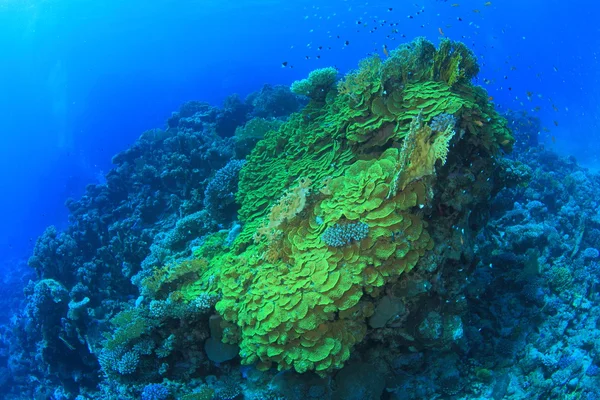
[80, 80]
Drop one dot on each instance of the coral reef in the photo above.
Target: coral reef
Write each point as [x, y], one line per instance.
[540, 252]
[248, 135]
[147, 211]
[291, 297]
[318, 84]
[154, 204]
[219, 195]
[274, 101]
[377, 243]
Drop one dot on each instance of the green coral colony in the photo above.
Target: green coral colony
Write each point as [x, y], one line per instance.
[362, 161]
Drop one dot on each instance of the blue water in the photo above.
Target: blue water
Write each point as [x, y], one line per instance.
[81, 80]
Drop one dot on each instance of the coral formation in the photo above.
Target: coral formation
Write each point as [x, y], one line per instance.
[290, 294]
[342, 235]
[273, 101]
[219, 195]
[354, 237]
[255, 129]
[318, 84]
[148, 214]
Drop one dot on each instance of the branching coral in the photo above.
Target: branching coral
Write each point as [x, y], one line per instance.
[219, 195]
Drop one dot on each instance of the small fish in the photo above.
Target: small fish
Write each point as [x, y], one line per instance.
[385, 51]
[284, 64]
[476, 11]
[455, 5]
[390, 9]
[554, 108]
[478, 123]
[529, 94]
[441, 31]
[487, 3]
[555, 123]
[553, 139]
[555, 69]
[491, 98]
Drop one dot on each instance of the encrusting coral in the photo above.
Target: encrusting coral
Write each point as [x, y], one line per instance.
[362, 154]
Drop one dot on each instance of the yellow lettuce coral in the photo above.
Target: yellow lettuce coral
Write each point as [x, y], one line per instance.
[363, 156]
[304, 310]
